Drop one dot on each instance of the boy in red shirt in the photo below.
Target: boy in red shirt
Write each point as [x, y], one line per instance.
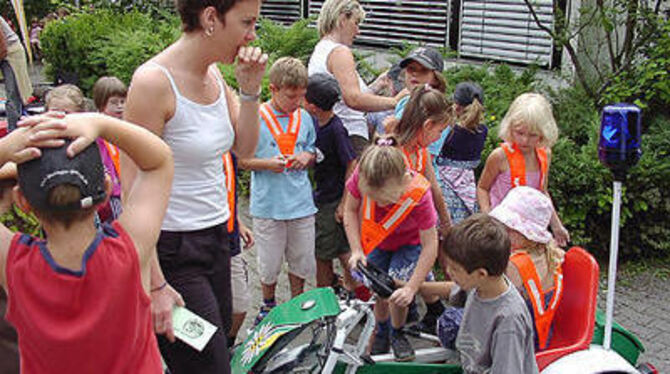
[79, 300]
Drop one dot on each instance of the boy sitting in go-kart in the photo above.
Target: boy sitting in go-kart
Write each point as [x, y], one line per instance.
[495, 334]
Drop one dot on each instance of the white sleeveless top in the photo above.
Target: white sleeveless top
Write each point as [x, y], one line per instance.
[354, 121]
[198, 135]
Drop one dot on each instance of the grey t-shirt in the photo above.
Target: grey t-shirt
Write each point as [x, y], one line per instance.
[496, 335]
[10, 35]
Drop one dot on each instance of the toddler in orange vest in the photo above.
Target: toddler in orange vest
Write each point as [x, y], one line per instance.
[535, 265]
[390, 221]
[523, 159]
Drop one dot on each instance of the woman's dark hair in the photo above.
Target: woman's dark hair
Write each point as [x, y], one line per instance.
[189, 11]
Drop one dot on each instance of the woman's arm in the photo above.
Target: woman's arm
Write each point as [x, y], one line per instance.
[341, 64]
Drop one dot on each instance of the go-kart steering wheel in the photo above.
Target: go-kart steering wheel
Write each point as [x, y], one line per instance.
[380, 282]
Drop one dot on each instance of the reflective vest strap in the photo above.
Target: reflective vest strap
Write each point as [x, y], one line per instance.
[285, 140]
[373, 233]
[533, 286]
[544, 165]
[115, 156]
[230, 188]
[517, 164]
[421, 156]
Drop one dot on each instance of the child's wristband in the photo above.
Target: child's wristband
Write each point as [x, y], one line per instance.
[159, 287]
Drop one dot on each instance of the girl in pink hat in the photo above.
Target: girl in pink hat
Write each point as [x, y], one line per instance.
[535, 264]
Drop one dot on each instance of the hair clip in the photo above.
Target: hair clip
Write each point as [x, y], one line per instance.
[427, 87]
[382, 142]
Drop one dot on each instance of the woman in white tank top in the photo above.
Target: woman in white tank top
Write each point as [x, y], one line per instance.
[180, 95]
[338, 26]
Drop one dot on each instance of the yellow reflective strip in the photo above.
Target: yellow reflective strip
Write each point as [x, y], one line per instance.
[294, 120]
[398, 213]
[366, 209]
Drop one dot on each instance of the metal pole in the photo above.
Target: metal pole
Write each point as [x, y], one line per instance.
[611, 274]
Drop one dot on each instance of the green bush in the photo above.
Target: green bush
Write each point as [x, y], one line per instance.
[103, 42]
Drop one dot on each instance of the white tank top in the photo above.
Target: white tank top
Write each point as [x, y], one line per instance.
[198, 136]
[354, 121]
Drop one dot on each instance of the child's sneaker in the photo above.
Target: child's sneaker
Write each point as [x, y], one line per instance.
[380, 345]
[402, 349]
[262, 313]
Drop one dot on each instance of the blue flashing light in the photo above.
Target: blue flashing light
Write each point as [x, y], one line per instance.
[620, 136]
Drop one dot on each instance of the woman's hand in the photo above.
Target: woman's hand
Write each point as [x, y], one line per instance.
[356, 256]
[162, 302]
[250, 69]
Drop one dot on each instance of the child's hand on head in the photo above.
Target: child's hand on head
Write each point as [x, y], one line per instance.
[78, 126]
[22, 144]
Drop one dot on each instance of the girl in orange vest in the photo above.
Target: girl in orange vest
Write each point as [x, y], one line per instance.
[523, 159]
[68, 98]
[535, 265]
[390, 222]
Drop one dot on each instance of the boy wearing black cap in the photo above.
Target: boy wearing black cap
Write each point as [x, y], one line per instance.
[335, 158]
[79, 300]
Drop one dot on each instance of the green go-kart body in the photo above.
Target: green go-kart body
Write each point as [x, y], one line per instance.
[284, 321]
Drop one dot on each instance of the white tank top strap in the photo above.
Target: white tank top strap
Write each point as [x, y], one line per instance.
[167, 74]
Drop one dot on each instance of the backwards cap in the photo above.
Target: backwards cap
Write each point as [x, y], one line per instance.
[54, 168]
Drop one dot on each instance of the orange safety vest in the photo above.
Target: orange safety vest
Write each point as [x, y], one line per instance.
[372, 232]
[517, 164]
[230, 188]
[544, 314]
[285, 140]
[420, 155]
[115, 156]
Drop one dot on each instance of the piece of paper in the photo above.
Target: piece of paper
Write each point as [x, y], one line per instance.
[191, 328]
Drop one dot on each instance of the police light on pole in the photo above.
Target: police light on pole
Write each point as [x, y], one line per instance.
[619, 150]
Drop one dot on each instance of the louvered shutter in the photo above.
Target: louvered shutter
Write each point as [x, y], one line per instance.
[505, 30]
[282, 11]
[390, 23]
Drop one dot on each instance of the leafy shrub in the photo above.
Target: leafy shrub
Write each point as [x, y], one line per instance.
[89, 44]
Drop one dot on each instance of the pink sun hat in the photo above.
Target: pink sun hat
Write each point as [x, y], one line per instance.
[528, 211]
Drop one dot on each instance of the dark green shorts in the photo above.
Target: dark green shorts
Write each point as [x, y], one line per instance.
[331, 241]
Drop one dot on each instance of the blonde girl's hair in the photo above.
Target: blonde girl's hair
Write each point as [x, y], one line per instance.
[440, 83]
[380, 163]
[533, 110]
[425, 103]
[551, 251]
[472, 116]
[330, 14]
[69, 92]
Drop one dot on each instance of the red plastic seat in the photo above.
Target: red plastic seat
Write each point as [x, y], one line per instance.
[575, 317]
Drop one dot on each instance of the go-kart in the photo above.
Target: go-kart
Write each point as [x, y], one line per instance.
[318, 333]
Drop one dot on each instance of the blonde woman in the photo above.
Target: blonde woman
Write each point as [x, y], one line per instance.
[338, 25]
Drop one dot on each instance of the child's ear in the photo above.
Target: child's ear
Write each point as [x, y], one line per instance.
[481, 272]
[21, 200]
[273, 88]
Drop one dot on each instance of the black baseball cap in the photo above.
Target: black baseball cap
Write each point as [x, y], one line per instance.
[54, 168]
[322, 91]
[428, 57]
[466, 92]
